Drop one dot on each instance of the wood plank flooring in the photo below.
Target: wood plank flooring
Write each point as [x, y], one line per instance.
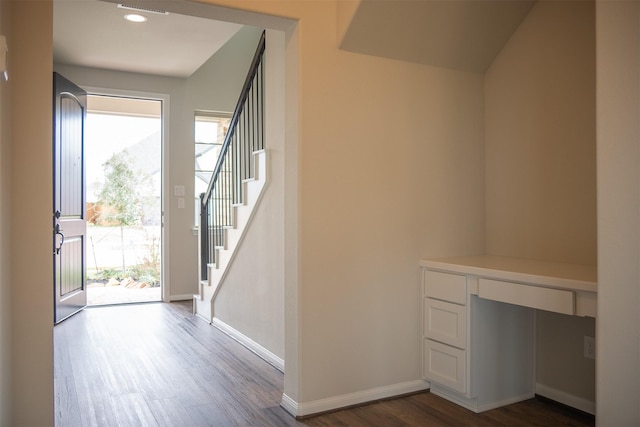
[141, 365]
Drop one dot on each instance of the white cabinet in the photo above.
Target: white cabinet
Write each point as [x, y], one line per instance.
[445, 329]
[476, 353]
[478, 323]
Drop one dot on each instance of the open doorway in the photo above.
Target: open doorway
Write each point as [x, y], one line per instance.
[123, 154]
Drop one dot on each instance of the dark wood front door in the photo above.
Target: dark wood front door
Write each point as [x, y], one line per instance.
[69, 222]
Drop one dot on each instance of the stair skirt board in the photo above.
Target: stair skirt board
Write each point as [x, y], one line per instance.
[352, 399]
[202, 306]
[201, 285]
[260, 351]
[200, 316]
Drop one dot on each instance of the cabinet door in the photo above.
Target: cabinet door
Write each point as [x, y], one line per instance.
[445, 322]
[445, 365]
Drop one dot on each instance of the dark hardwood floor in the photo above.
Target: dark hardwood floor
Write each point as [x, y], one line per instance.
[141, 365]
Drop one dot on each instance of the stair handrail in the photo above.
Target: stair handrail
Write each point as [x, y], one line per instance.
[253, 69]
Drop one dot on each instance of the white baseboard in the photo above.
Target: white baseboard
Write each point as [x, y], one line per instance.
[504, 402]
[182, 297]
[473, 404]
[201, 317]
[269, 357]
[332, 403]
[289, 405]
[565, 398]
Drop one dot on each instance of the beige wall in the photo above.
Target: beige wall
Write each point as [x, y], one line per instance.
[30, 210]
[540, 138]
[618, 120]
[541, 171]
[5, 278]
[560, 362]
[217, 83]
[382, 146]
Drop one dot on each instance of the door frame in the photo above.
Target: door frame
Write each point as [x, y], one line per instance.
[164, 190]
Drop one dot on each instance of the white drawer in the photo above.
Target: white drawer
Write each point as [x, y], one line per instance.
[556, 300]
[445, 286]
[445, 365]
[445, 322]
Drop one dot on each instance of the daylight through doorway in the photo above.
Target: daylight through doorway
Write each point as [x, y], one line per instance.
[123, 152]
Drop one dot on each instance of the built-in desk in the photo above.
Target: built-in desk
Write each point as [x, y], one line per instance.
[478, 323]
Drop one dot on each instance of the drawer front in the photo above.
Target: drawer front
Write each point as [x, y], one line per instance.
[445, 286]
[445, 365]
[445, 322]
[556, 300]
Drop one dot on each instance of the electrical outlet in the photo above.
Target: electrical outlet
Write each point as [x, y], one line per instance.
[589, 347]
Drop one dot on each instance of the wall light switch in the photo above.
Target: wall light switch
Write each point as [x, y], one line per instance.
[180, 202]
[178, 190]
[3, 59]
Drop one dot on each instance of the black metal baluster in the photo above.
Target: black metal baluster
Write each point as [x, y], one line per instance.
[204, 237]
[261, 92]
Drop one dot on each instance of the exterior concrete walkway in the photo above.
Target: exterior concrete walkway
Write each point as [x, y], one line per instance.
[119, 294]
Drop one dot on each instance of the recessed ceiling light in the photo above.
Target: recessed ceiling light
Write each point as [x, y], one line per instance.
[134, 17]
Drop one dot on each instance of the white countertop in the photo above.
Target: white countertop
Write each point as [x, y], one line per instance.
[549, 274]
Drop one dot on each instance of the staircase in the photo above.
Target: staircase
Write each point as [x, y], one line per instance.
[234, 191]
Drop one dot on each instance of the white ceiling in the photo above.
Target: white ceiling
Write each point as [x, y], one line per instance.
[94, 33]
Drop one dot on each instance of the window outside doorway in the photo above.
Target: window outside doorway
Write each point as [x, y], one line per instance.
[210, 129]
